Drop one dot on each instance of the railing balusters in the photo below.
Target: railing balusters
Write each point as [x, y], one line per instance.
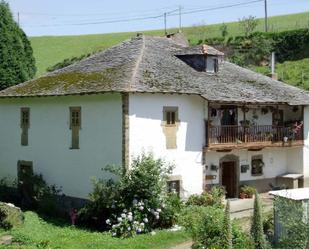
[232, 134]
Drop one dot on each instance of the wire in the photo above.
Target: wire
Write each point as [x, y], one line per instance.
[169, 13]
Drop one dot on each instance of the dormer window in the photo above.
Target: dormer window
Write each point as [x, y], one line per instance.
[201, 58]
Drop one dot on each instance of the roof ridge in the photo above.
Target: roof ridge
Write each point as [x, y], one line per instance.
[137, 63]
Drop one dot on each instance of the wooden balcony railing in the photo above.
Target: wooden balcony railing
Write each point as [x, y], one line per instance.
[231, 134]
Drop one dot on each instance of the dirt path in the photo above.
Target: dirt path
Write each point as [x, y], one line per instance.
[184, 245]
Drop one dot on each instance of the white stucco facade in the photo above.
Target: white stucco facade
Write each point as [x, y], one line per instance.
[50, 139]
[146, 134]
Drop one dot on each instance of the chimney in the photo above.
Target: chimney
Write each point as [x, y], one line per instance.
[273, 75]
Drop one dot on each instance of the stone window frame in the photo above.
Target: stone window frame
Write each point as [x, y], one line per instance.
[75, 125]
[257, 158]
[24, 125]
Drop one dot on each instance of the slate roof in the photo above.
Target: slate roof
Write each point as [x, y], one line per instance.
[149, 64]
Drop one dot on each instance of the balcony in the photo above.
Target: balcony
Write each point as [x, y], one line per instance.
[229, 137]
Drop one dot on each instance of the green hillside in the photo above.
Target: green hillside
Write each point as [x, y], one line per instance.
[295, 73]
[49, 50]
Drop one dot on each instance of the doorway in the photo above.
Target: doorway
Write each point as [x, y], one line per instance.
[229, 178]
[25, 183]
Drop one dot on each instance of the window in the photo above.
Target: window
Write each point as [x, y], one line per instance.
[24, 125]
[212, 64]
[170, 126]
[257, 165]
[173, 187]
[170, 115]
[75, 125]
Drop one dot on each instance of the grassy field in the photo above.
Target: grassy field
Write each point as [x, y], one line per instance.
[38, 234]
[49, 50]
[295, 73]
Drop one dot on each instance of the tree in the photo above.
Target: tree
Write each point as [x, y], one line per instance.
[17, 63]
[248, 24]
[257, 225]
[223, 29]
[227, 229]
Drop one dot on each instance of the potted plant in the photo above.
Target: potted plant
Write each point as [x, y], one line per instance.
[248, 191]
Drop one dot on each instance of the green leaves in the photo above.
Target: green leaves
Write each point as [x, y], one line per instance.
[17, 63]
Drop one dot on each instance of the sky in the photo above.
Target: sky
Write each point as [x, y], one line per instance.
[73, 17]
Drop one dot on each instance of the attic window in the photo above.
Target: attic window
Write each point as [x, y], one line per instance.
[211, 64]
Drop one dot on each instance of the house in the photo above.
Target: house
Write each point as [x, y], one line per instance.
[293, 205]
[217, 122]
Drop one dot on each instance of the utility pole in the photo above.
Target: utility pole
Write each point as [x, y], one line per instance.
[179, 19]
[266, 18]
[165, 23]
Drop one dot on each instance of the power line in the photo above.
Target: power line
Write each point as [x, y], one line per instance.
[165, 14]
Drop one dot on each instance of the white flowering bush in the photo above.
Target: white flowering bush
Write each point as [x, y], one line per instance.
[138, 202]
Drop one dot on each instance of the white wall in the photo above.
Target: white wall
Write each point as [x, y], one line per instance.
[277, 161]
[146, 134]
[50, 139]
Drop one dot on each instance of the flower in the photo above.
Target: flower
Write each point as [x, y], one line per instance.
[125, 211]
[129, 228]
[130, 217]
[159, 210]
[114, 226]
[108, 221]
[153, 233]
[123, 215]
[157, 217]
[142, 224]
[145, 220]
[141, 208]
[130, 213]
[114, 234]
[139, 230]
[119, 219]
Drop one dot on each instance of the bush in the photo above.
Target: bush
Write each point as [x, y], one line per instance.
[138, 194]
[4, 224]
[205, 224]
[214, 197]
[8, 191]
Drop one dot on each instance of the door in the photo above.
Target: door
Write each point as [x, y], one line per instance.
[229, 179]
[25, 183]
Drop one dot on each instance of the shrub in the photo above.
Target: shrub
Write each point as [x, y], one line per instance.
[8, 191]
[4, 224]
[227, 229]
[205, 224]
[257, 225]
[113, 203]
[293, 219]
[213, 197]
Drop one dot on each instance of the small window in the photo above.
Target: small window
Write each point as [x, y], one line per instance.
[25, 117]
[173, 186]
[75, 116]
[212, 65]
[24, 125]
[257, 165]
[75, 125]
[170, 115]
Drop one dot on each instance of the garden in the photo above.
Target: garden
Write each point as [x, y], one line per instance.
[131, 210]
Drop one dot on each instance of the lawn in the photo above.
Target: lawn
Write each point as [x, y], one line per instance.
[38, 233]
[49, 50]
